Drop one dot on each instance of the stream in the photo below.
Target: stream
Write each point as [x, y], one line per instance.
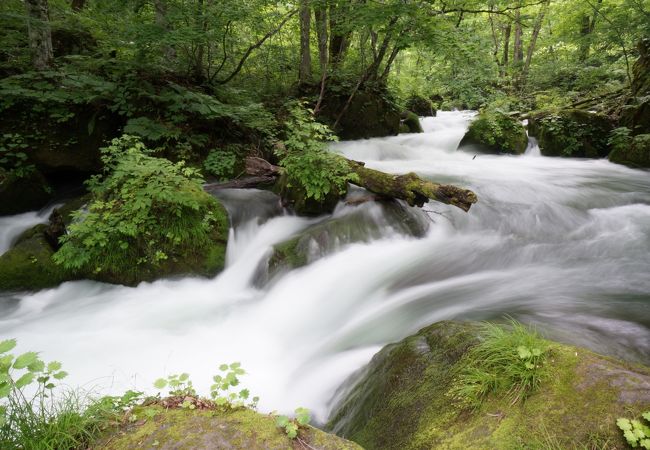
[563, 244]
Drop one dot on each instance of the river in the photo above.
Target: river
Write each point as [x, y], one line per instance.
[562, 244]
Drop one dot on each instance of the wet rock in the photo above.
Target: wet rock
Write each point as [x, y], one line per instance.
[197, 429]
[19, 194]
[410, 123]
[402, 399]
[420, 105]
[494, 133]
[571, 133]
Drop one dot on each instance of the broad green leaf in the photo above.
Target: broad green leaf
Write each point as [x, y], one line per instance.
[54, 366]
[524, 352]
[624, 424]
[25, 380]
[36, 366]
[282, 421]
[160, 383]
[646, 416]
[25, 360]
[7, 345]
[60, 375]
[223, 367]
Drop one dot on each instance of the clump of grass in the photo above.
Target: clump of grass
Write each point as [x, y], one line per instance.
[510, 360]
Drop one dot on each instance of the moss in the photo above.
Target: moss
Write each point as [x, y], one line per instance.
[494, 132]
[21, 194]
[412, 123]
[420, 105]
[208, 429]
[402, 400]
[205, 261]
[571, 133]
[295, 196]
[636, 152]
[29, 266]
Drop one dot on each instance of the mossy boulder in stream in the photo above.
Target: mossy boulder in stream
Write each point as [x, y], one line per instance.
[494, 132]
[29, 265]
[148, 218]
[22, 193]
[420, 105]
[410, 123]
[406, 398]
[571, 133]
[240, 428]
[363, 222]
[632, 152]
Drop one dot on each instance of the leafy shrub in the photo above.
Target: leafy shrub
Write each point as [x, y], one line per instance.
[494, 128]
[13, 157]
[144, 211]
[506, 361]
[636, 433]
[221, 162]
[308, 163]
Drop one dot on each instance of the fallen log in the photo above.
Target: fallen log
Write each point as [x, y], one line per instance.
[411, 188]
[408, 187]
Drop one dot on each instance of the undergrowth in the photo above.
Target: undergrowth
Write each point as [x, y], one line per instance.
[508, 361]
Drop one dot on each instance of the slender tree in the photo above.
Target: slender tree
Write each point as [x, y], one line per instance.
[40, 34]
[304, 69]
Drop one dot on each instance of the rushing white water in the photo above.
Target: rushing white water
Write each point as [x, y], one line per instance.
[564, 244]
[12, 226]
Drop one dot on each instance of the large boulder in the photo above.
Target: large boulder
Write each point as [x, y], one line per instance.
[420, 105]
[23, 193]
[207, 429]
[405, 398]
[29, 266]
[410, 123]
[633, 152]
[495, 133]
[370, 114]
[572, 133]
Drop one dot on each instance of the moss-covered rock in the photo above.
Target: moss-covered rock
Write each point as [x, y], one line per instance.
[571, 133]
[241, 428]
[402, 400]
[372, 113]
[635, 152]
[494, 133]
[363, 224]
[410, 123]
[29, 266]
[295, 197]
[21, 194]
[420, 105]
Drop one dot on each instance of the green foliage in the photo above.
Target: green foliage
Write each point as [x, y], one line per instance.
[291, 426]
[13, 157]
[31, 415]
[506, 361]
[495, 128]
[636, 433]
[144, 211]
[223, 391]
[179, 385]
[305, 157]
[221, 162]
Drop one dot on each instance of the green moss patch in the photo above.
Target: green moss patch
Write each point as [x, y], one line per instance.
[495, 132]
[405, 399]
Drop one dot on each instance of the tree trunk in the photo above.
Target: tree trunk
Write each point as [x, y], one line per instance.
[506, 47]
[320, 18]
[160, 7]
[533, 39]
[304, 72]
[40, 34]
[518, 50]
[409, 187]
[78, 5]
[587, 25]
[198, 70]
[339, 41]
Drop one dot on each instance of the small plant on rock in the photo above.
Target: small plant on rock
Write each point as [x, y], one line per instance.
[507, 360]
[222, 391]
[636, 433]
[291, 426]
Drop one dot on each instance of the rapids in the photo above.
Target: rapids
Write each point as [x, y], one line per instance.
[563, 244]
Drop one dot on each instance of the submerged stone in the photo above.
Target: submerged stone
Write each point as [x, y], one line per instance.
[20, 194]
